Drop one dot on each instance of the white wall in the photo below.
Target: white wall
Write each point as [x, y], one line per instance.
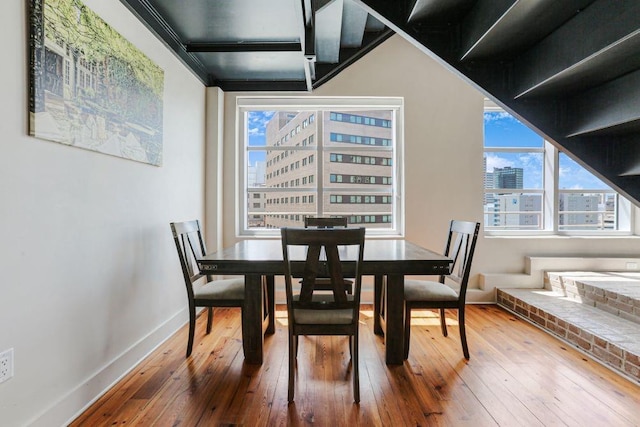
[89, 277]
[443, 158]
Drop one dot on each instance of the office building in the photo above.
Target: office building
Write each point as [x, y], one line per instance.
[313, 147]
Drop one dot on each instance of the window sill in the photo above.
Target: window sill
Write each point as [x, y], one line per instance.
[622, 235]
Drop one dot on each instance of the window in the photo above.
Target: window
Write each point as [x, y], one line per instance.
[346, 149]
[530, 186]
[585, 202]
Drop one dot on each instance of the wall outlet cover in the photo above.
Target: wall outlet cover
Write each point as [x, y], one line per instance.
[6, 365]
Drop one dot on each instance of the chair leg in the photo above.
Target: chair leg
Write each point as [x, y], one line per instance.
[463, 335]
[292, 358]
[192, 328]
[356, 369]
[407, 330]
[209, 319]
[383, 299]
[443, 322]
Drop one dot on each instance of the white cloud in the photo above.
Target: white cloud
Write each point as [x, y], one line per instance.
[494, 161]
[564, 171]
[494, 116]
[530, 160]
[257, 122]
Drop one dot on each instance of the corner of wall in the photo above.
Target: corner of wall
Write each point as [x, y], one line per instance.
[214, 150]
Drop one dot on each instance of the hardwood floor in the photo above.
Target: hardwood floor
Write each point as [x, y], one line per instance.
[517, 376]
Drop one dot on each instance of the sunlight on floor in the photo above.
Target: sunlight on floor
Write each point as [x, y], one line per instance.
[429, 318]
[418, 318]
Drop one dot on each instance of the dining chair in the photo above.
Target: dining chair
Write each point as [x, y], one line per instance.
[202, 290]
[328, 222]
[422, 294]
[311, 313]
[325, 222]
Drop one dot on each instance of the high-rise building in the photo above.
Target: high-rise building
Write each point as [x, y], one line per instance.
[340, 179]
[507, 177]
[509, 210]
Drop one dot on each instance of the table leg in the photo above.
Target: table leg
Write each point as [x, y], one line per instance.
[394, 335]
[252, 315]
[271, 301]
[377, 304]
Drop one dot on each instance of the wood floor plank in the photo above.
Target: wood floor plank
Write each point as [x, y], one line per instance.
[584, 385]
[517, 375]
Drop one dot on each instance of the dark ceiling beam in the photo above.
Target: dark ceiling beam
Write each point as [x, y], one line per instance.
[244, 47]
[261, 85]
[153, 20]
[309, 34]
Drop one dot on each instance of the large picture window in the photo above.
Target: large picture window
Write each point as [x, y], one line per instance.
[530, 186]
[308, 156]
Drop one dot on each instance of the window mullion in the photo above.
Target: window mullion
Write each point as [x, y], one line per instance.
[551, 173]
[320, 164]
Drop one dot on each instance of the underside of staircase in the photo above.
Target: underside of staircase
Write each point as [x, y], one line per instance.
[569, 69]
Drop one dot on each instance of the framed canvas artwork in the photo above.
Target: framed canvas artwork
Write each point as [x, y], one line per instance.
[91, 88]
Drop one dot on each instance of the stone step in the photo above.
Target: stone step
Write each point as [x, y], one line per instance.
[617, 293]
[608, 338]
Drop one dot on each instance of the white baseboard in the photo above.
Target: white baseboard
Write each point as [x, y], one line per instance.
[70, 406]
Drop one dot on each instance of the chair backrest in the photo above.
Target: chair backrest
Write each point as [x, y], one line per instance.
[303, 246]
[190, 245]
[461, 244]
[325, 222]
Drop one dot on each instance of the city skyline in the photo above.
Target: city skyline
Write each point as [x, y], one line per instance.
[503, 130]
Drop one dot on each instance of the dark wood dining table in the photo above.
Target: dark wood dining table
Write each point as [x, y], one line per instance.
[388, 260]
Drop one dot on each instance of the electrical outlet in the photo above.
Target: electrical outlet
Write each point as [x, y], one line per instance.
[6, 365]
[632, 266]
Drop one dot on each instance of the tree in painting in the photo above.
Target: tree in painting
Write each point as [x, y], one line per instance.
[90, 87]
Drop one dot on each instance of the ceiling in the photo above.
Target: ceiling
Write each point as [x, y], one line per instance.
[569, 69]
[260, 45]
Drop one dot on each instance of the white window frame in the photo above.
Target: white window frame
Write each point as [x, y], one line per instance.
[624, 209]
[244, 104]
[550, 199]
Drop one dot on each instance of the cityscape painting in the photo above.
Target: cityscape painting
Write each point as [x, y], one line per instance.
[91, 88]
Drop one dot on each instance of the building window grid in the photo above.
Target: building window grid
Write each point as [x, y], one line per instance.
[358, 119]
[359, 139]
[358, 159]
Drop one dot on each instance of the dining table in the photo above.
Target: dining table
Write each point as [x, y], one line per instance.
[387, 260]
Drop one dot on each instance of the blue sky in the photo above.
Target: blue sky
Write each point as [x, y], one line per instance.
[256, 124]
[503, 130]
